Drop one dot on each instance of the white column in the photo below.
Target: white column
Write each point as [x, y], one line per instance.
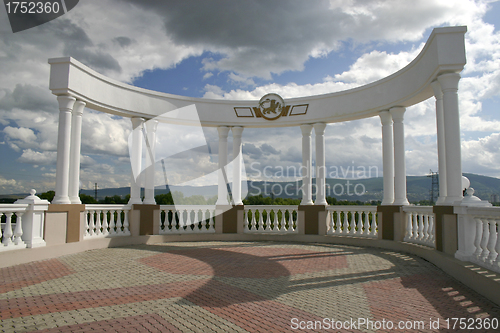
[63, 149]
[222, 184]
[237, 162]
[449, 86]
[388, 157]
[398, 114]
[149, 191]
[319, 130]
[441, 148]
[76, 144]
[306, 165]
[136, 160]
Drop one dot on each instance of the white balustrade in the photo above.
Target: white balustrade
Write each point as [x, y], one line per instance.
[270, 219]
[478, 236]
[185, 219]
[359, 221]
[420, 227]
[11, 228]
[106, 221]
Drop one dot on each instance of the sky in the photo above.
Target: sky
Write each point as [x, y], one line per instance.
[243, 50]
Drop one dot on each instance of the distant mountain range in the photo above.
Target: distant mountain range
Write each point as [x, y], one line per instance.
[418, 188]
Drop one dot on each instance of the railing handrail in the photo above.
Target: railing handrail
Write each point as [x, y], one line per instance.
[187, 207]
[484, 211]
[418, 209]
[107, 206]
[12, 208]
[343, 208]
[271, 207]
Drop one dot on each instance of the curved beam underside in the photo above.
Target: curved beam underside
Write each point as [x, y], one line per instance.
[444, 52]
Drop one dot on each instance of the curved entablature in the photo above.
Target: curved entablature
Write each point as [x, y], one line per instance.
[444, 52]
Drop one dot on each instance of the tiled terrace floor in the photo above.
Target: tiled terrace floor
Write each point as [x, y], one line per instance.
[233, 287]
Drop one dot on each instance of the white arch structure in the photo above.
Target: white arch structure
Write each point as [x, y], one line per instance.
[434, 72]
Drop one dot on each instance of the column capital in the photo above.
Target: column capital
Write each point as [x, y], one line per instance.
[151, 124]
[436, 87]
[398, 113]
[449, 81]
[385, 117]
[137, 122]
[223, 131]
[66, 102]
[306, 129]
[319, 128]
[237, 131]
[78, 108]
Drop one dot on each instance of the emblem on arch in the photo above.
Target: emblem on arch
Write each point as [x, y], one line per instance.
[271, 107]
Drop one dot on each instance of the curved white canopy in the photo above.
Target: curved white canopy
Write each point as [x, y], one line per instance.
[444, 52]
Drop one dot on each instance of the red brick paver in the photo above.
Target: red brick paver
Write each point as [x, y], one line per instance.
[232, 287]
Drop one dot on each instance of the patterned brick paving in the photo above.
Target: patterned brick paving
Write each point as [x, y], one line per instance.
[233, 287]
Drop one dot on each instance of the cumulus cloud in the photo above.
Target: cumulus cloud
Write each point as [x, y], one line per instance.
[249, 41]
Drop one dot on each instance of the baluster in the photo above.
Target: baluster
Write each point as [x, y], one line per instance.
[212, 219]
[125, 222]
[291, 223]
[182, 222]
[253, 222]
[189, 221]
[346, 222]
[18, 231]
[352, 222]
[7, 231]
[415, 225]
[374, 224]
[281, 220]
[98, 224]
[92, 223]
[203, 220]
[421, 227]
[425, 235]
[261, 220]
[1, 233]
[477, 240]
[496, 263]
[360, 223]
[112, 222]
[331, 227]
[366, 230]
[268, 219]
[409, 228]
[492, 241]
[484, 241]
[432, 231]
[105, 222]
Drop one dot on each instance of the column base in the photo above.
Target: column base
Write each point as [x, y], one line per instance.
[451, 201]
[134, 201]
[401, 202]
[75, 200]
[61, 200]
[441, 201]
